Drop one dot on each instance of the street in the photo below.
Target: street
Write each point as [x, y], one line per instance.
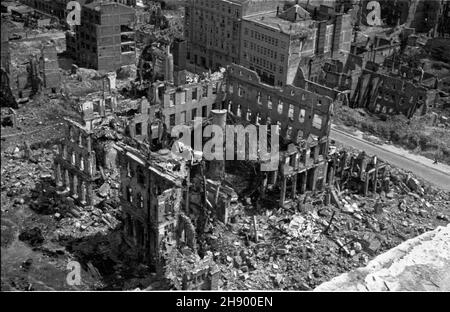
[424, 171]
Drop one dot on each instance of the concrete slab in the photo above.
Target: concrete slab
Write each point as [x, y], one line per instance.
[418, 264]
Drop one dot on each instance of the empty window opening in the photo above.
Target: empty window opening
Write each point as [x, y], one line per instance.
[138, 128]
[301, 116]
[317, 121]
[291, 112]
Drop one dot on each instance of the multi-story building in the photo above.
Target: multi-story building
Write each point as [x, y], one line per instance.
[105, 40]
[263, 37]
[75, 166]
[5, 54]
[304, 122]
[151, 198]
[182, 104]
[443, 26]
[277, 44]
[213, 29]
[76, 162]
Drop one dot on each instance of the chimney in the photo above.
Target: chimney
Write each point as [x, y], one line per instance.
[321, 33]
[216, 168]
[336, 43]
[278, 10]
[168, 68]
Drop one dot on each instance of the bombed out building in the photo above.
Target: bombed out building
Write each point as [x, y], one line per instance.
[303, 119]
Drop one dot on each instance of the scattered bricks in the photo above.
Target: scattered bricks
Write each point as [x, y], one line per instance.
[335, 200]
[357, 246]
[348, 209]
[378, 208]
[282, 251]
[415, 195]
[414, 185]
[443, 217]
[104, 190]
[371, 244]
[237, 262]
[390, 195]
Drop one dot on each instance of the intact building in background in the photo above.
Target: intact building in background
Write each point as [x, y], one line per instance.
[276, 44]
[282, 43]
[105, 40]
[213, 29]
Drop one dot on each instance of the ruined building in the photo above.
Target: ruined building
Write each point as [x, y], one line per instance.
[443, 27]
[45, 70]
[106, 39]
[75, 167]
[183, 103]
[7, 97]
[359, 172]
[397, 90]
[152, 191]
[40, 75]
[303, 119]
[75, 164]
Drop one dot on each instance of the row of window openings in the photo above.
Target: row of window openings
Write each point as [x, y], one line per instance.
[193, 115]
[261, 37]
[130, 198]
[317, 120]
[263, 62]
[80, 138]
[241, 93]
[194, 94]
[139, 198]
[222, 8]
[263, 50]
[386, 95]
[73, 160]
[141, 178]
[310, 153]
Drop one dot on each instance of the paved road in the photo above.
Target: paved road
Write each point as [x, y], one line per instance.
[434, 176]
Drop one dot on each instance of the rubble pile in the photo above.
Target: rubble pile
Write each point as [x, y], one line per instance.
[182, 266]
[295, 250]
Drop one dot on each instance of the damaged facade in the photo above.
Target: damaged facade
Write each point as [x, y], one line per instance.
[152, 200]
[303, 118]
[106, 39]
[392, 93]
[183, 103]
[40, 75]
[296, 66]
[75, 163]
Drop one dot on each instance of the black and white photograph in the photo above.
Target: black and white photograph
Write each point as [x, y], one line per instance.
[239, 149]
